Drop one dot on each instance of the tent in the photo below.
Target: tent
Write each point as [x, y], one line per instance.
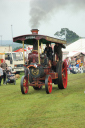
[78, 45]
[75, 49]
[20, 50]
[74, 54]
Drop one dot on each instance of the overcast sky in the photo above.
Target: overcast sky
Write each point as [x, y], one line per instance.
[18, 17]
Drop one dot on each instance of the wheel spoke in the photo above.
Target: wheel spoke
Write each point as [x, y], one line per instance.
[63, 69]
[24, 82]
[64, 75]
[48, 84]
[50, 88]
[24, 85]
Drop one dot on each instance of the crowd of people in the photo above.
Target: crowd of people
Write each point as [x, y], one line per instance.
[73, 62]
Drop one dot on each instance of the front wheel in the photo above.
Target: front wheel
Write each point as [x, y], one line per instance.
[48, 84]
[24, 85]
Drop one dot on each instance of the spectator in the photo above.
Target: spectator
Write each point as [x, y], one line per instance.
[81, 64]
[1, 74]
[78, 62]
[67, 61]
[0, 79]
[72, 62]
[71, 65]
[4, 67]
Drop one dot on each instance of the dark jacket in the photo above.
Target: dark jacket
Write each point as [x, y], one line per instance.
[58, 51]
[49, 52]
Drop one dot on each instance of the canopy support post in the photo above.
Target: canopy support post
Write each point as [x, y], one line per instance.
[23, 51]
[41, 47]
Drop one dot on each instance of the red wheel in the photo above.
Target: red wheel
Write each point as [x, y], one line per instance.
[24, 85]
[62, 76]
[48, 84]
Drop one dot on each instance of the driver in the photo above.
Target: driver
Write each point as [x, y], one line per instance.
[48, 51]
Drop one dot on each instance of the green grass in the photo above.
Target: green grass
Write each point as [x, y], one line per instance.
[60, 109]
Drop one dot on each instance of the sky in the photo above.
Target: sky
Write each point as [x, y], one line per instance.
[18, 17]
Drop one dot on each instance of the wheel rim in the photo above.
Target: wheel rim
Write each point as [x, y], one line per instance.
[49, 84]
[25, 83]
[64, 75]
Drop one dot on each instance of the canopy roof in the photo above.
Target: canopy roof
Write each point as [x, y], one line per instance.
[29, 39]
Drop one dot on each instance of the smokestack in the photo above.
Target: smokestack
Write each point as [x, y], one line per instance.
[34, 31]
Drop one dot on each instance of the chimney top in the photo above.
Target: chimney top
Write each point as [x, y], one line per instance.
[34, 31]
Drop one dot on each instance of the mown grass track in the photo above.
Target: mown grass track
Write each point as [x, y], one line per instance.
[73, 77]
[60, 109]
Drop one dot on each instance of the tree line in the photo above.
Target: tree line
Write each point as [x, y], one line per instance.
[67, 34]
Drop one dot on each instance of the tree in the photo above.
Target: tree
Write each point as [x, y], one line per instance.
[67, 34]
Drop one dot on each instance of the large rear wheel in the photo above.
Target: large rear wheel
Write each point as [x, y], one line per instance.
[62, 75]
[24, 85]
[48, 84]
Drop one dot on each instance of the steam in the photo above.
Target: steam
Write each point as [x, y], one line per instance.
[42, 9]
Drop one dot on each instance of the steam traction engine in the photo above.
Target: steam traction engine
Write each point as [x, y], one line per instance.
[41, 70]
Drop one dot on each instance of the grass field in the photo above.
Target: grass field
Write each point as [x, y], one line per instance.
[60, 109]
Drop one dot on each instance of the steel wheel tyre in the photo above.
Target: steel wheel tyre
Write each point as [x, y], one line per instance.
[48, 84]
[24, 85]
[62, 76]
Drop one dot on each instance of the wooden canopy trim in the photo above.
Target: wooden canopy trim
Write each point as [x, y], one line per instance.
[28, 38]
